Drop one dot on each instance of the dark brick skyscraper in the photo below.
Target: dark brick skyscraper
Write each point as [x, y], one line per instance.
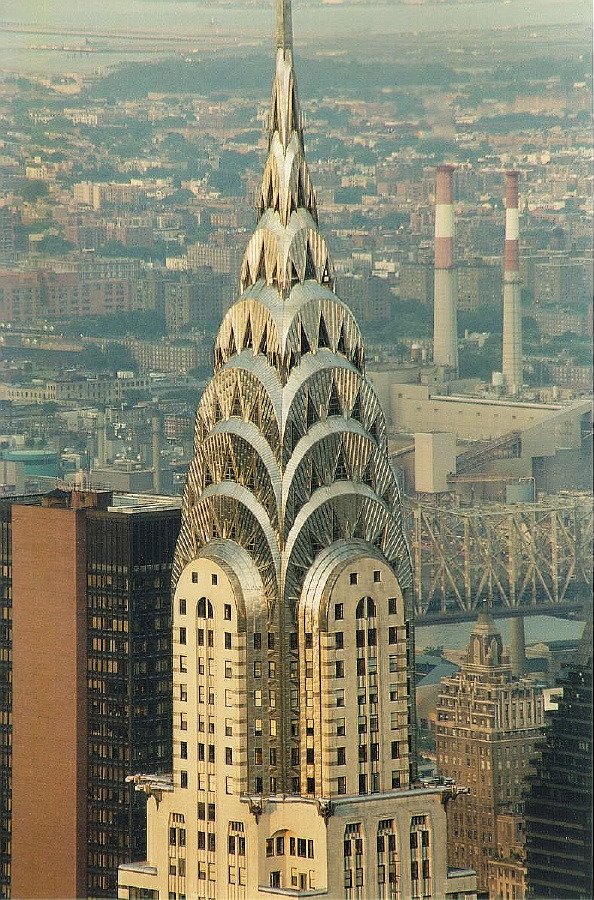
[86, 684]
[559, 802]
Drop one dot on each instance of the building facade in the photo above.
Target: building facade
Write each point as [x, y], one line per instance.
[293, 641]
[86, 695]
[488, 723]
[559, 799]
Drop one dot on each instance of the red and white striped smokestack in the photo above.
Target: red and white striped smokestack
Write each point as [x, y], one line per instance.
[444, 217]
[512, 299]
[445, 326]
[512, 226]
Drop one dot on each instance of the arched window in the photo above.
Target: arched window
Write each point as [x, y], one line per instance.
[204, 608]
[366, 608]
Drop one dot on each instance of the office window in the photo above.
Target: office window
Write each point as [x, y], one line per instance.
[183, 779]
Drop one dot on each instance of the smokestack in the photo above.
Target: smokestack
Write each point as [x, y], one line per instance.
[512, 299]
[101, 440]
[445, 325]
[156, 423]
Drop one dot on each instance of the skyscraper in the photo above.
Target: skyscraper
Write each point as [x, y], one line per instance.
[488, 723]
[86, 684]
[293, 641]
[559, 799]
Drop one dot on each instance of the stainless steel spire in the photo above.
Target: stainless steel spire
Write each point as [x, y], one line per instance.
[284, 26]
[290, 454]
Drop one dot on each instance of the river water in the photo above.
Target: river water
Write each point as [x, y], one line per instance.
[537, 629]
[315, 24]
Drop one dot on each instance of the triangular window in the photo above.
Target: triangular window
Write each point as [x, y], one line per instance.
[232, 344]
[312, 415]
[236, 409]
[323, 338]
[310, 269]
[341, 473]
[261, 276]
[341, 346]
[359, 531]
[305, 348]
[247, 337]
[356, 410]
[263, 347]
[334, 407]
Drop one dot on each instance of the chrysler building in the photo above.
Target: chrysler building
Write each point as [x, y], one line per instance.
[293, 641]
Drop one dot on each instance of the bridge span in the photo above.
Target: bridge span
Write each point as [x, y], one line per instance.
[520, 559]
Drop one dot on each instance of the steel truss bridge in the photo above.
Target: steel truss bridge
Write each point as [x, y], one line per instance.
[521, 558]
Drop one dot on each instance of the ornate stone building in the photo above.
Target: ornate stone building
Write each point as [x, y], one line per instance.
[293, 729]
[488, 723]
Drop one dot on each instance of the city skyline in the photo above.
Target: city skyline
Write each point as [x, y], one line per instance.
[393, 428]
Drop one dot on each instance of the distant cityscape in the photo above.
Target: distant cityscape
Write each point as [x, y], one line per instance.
[281, 380]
